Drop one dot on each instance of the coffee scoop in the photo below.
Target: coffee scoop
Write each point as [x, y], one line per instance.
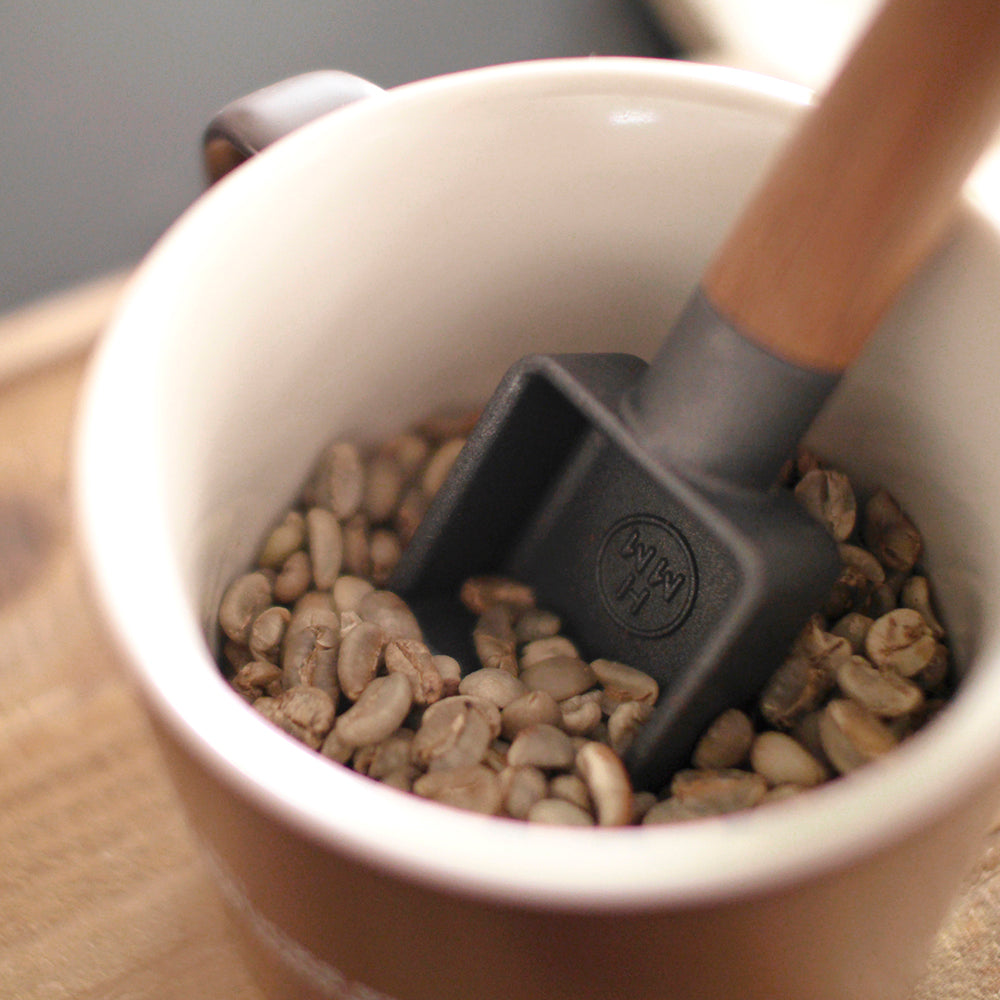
[640, 500]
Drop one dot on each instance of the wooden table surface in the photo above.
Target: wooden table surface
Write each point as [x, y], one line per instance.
[102, 893]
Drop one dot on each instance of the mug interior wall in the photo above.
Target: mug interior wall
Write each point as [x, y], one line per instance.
[538, 219]
[547, 222]
[915, 415]
[499, 227]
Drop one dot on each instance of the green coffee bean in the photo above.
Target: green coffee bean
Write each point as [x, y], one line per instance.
[413, 659]
[453, 732]
[247, 597]
[781, 760]
[541, 746]
[521, 787]
[607, 782]
[359, 657]
[852, 735]
[530, 709]
[559, 812]
[726, 743]
[471, 786]
[561, 676]
[493, 684]
[378, 712]
[533, 731]
[286, 538]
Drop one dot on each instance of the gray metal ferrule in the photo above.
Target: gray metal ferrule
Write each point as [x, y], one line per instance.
[716, 404]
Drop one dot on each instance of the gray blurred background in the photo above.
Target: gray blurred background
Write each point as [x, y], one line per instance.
[102, 102]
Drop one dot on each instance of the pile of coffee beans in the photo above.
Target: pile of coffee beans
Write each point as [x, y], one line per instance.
[533, 731]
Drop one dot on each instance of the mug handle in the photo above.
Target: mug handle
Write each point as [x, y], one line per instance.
[249, 124]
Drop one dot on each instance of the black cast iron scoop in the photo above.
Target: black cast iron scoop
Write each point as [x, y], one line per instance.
[639, 500]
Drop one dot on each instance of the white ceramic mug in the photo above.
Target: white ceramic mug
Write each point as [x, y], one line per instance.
[399, 254]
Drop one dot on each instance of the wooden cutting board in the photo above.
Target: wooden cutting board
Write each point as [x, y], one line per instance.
[102, 893]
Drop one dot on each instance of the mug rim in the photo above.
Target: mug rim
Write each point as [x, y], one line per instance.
[714, 859]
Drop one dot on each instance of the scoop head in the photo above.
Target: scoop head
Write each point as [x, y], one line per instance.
[700, 582]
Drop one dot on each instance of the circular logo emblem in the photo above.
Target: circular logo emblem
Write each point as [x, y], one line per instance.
[646, 575]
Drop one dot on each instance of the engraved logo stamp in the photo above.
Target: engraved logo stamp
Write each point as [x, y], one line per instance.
[646, 575]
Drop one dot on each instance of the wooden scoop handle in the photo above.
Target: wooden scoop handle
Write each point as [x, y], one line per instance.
[863, 192]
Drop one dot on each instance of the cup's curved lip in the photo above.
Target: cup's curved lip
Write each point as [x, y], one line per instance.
[514, 863]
